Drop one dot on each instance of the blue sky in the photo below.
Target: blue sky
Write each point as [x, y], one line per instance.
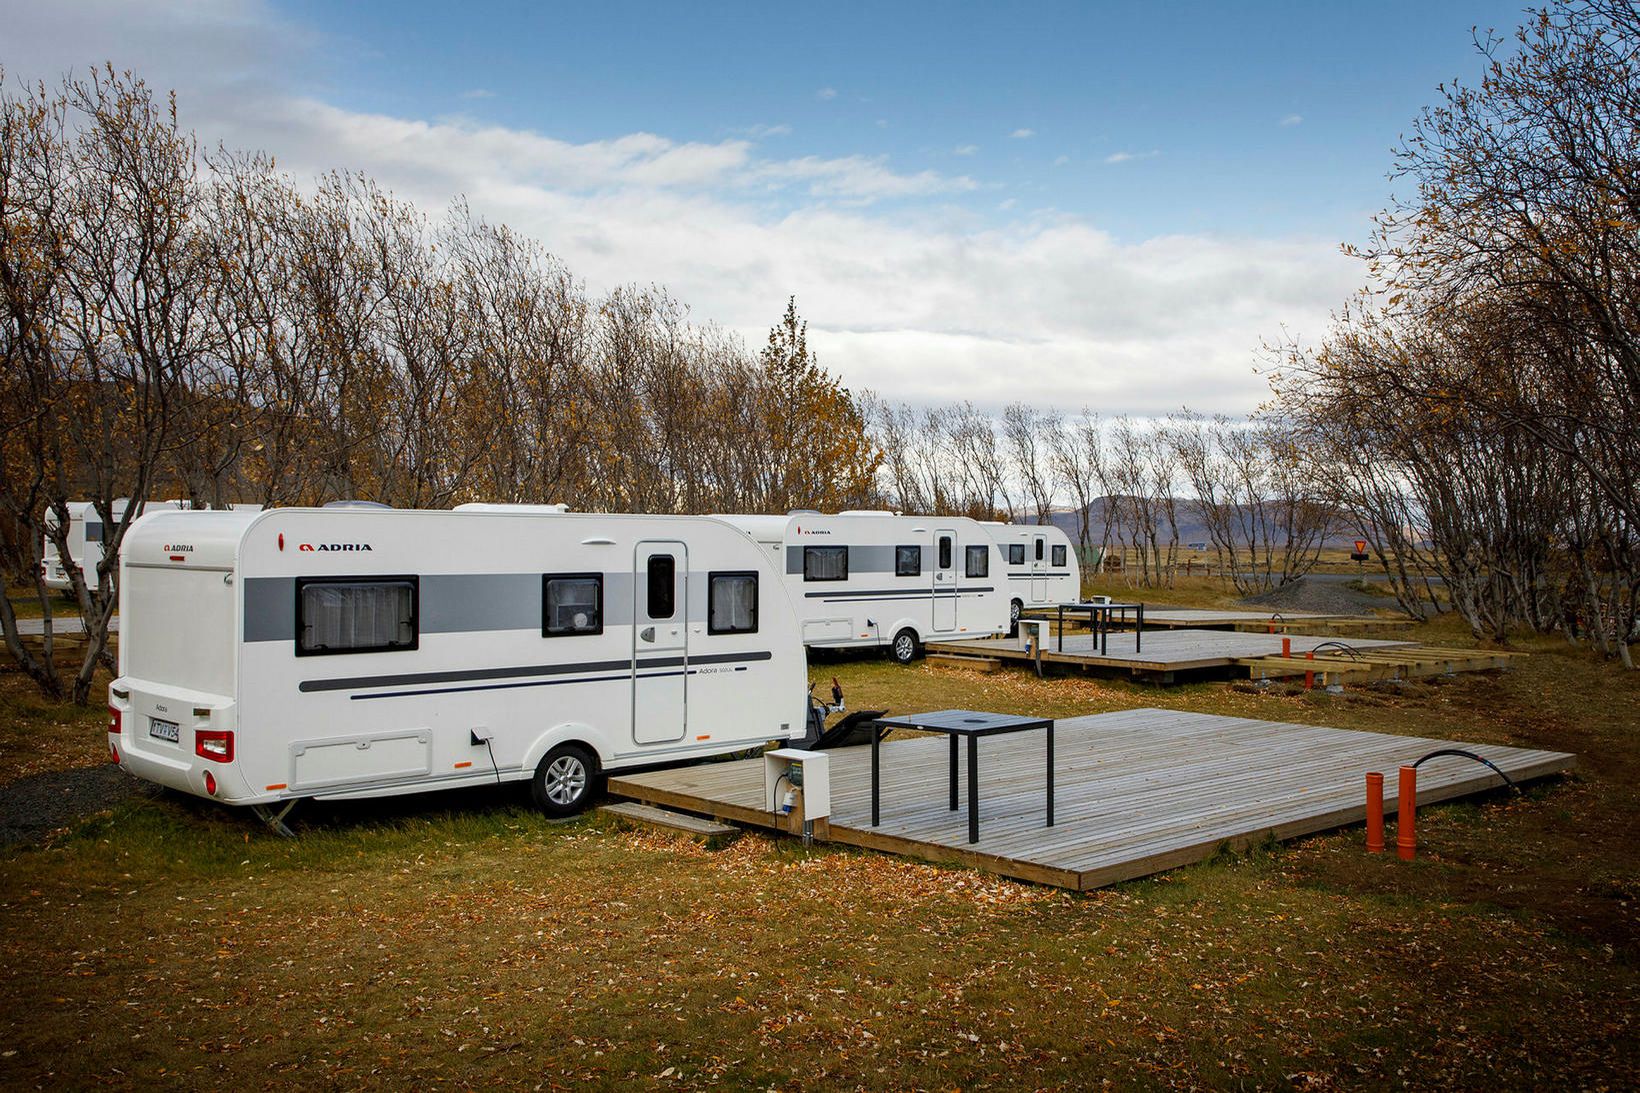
[1092, 206]
[1197, 93]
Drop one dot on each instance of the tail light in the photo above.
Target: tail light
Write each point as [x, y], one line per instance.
[114, 720]
[214, 744]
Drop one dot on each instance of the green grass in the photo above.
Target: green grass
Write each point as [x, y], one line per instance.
[463, 938]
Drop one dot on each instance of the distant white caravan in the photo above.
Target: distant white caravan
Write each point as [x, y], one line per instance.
[877, 578]
[1040, 566]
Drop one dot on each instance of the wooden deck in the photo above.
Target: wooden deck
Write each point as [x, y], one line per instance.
[1337, 667]
[1164, 617]
[1139, 792]
[1160, 654]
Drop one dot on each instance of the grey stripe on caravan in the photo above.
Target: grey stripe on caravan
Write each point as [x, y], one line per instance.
[522, 672]
[861, 559]
[450, 603]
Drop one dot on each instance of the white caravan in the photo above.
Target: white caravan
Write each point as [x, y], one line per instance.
[267, 657]
[1040, 567]
[85, 539]
[876, 578]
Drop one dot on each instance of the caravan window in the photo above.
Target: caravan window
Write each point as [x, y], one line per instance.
[1016, 553]
[355, 616]
[573, 604]
[825, 563]
[945, 552]
[908, 561]
[1059, 554]
[663, 570]
[1039, 550]
[979, 561]
[731, 603]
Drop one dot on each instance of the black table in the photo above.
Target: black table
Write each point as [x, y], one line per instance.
[1099, 619]
[955, 723]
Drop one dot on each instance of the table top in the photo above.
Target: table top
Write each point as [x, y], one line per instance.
[1098, 606]
[965, 722]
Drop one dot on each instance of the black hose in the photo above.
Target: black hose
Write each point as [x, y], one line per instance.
[1339, 645]
[1460, 753]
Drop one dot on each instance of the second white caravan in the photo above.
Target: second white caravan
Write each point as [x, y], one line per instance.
[880, 579]
[351, 652]
[1040, 568]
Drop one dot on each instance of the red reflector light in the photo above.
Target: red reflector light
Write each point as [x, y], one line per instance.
[210, 783]
[114, 720]
[179, 557]
[114, 753]
[214, 744]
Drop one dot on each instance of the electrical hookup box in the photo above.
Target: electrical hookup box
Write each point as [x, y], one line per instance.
[797, 783]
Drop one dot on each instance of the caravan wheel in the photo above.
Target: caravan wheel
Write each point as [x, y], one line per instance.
[1014, 608]
[565, 780]
[905, 646]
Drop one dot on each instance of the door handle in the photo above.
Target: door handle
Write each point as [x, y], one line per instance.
[647, 633]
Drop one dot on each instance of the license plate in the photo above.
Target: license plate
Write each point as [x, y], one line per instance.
[164, 730]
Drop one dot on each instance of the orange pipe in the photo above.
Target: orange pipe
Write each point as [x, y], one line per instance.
[1309, 677]
[1375, 812]
[1286, 647]
[1406, 834]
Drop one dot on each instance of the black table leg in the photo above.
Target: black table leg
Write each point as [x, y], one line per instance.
[1139, 630]
[953, 772]
[1050, 774]
[1061, 628]
[876, 734]
[973, 789]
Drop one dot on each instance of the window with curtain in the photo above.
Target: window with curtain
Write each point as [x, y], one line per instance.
[979, 561]
[1016, 553]
[1059, 554]
[827, 563]
[908, 561]
[355, 616]
[731, 603]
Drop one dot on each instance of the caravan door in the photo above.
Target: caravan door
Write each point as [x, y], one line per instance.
[660, 642]
[945, 580]
[1039, 569]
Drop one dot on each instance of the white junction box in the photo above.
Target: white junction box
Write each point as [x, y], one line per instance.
[805, 774]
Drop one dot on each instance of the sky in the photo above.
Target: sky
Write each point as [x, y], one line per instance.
[1102, 206]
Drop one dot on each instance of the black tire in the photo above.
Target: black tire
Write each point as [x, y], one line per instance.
[1014, 608]
[565, 781]
[906, 648]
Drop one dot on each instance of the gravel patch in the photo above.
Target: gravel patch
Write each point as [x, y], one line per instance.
[1319, 597]
[32, 808]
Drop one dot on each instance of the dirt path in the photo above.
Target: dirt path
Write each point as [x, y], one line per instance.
[32, 808]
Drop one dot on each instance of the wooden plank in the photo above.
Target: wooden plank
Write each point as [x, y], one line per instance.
[965, 661]
[635, 812]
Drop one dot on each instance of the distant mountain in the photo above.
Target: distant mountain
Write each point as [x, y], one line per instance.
[1192, 527]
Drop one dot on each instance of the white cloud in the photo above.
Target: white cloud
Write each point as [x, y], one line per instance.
[1128, 157]
[759, 132]
[1291, 119]
[882, 123]
[478, 93]
[926, 303]
[965, 149]
[826, 94]
[1060, 161]
[1022, 134]
[1008, 204]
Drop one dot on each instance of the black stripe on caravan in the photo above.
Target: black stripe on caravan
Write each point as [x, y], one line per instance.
[530, 683]
[897, 593]
[521, 672]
